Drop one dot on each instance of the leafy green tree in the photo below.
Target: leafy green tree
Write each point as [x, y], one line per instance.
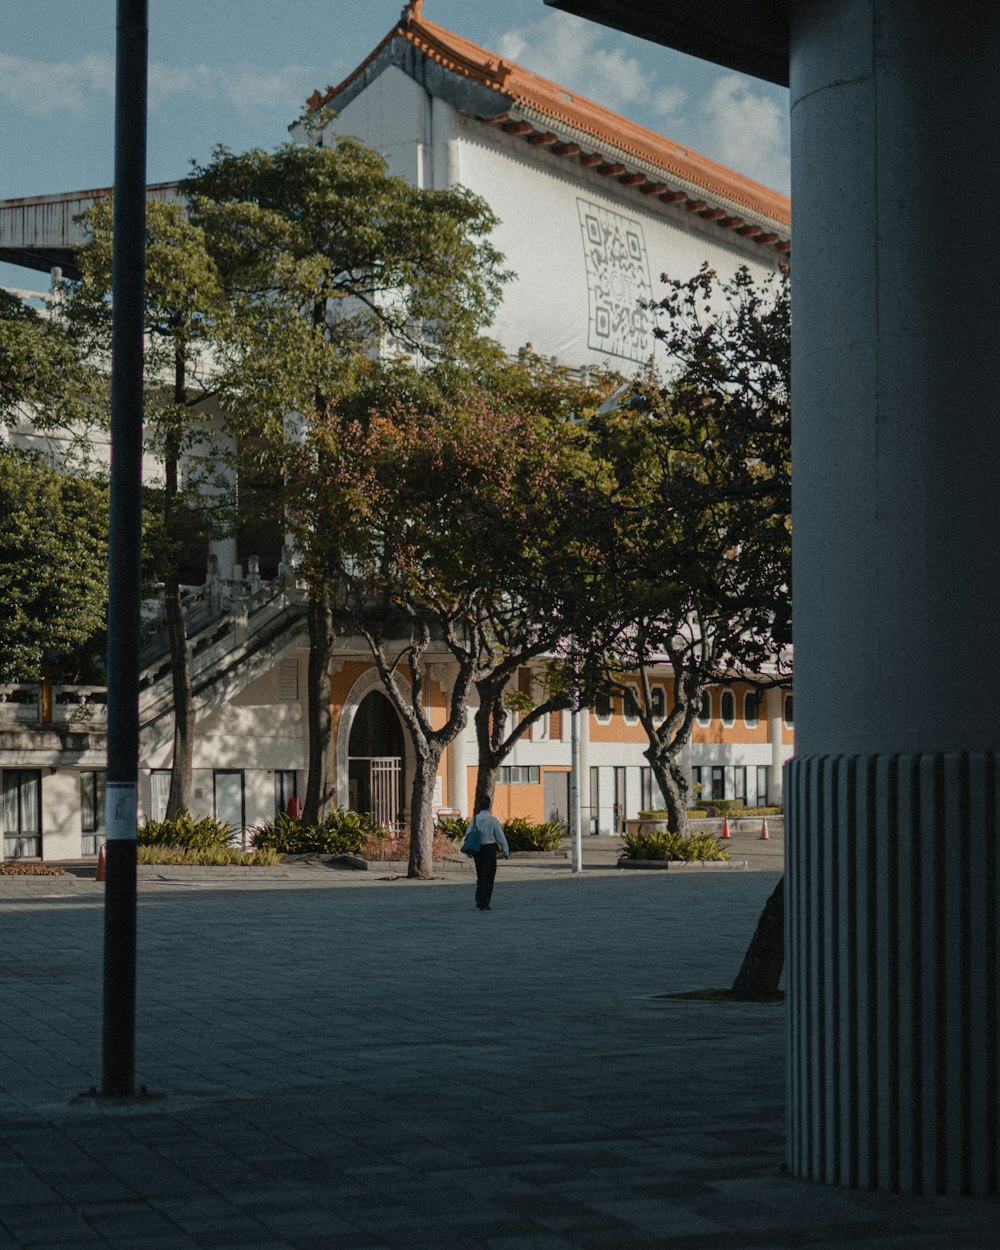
[536, 562]
[53, 564]
[183, 310]
[691, 512]
[46, 382]
[332, 262]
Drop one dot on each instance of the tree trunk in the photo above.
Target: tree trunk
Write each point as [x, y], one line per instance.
[761, 971]
[179, 798]
[319, 787]
[421, 865]
[673, 784]
[488, 758]
[486, 783]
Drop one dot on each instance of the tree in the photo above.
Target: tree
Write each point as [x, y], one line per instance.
[46, 382]
[183, 309]
[694, 530]
[333, 261]
[53, 564]
[536, 558]
[408, 490]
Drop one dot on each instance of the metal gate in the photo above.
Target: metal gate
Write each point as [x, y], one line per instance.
[386, 781]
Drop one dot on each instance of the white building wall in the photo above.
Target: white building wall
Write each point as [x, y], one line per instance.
[583, 248]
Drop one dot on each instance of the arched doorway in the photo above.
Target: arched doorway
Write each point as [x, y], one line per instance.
[375, 760]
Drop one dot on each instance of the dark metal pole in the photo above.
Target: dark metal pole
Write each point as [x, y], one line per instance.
[124, 567]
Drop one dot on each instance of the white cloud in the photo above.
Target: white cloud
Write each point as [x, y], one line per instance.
[47, 87]
[576, 54]
[249, 90]
[731, 119]
[741, 127]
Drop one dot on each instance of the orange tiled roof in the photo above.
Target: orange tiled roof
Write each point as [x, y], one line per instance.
[566, 109]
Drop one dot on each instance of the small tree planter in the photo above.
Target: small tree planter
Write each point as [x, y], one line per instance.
[532, 856]
[683, 863]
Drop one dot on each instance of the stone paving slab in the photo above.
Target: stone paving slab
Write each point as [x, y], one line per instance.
[371, 1064]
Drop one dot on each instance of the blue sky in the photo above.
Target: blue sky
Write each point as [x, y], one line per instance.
[237, 72]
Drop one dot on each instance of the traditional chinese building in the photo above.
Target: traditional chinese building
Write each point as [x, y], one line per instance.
[592, 209]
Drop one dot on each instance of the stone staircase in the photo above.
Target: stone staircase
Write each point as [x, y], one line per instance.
[238, 629]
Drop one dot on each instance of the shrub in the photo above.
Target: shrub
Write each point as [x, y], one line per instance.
[453, 828]
[723, 807]
[663, 845]
[160, 853]
[342, 833]
[524, 835]
[184, 830]
[16, 869]
[384, 848]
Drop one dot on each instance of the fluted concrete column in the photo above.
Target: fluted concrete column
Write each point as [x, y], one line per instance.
[775, 728]
[892, 798]
[461, 753]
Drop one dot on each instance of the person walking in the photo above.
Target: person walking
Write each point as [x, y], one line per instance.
[484, 838]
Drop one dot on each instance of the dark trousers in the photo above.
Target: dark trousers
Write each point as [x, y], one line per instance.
[486, 871]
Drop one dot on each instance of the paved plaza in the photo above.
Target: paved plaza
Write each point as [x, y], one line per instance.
[351, 1061]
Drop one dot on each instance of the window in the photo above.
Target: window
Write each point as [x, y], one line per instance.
[740, 783]
[159, 792]
[518, 775]
[751, 709]
[284, 788]
[763, 773]
[630, 705]
[620, 800]
[727, 708]
[718, 782]
[595, 801]
[91, 812]
[788, 711]
[646, 778]
[602, 708]
[658, 703]
[288, 681]
[705, 709]
[697, 785]
[22, 813]
[228, 798]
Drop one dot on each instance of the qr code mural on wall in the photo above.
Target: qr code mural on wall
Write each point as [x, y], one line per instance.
[617, 279]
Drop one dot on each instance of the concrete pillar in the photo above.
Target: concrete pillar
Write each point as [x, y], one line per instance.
[892, 798]
[775, 731]
[461, 753]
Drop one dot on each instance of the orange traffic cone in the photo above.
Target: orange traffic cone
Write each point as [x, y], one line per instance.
[102, 859]
[764, 835]
[725, 828]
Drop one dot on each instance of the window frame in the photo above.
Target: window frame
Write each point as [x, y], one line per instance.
[751, 698]
[21, 842]
[92, 835]
[788, 711]
[630, 697]
[281, 798]
[604, 718]
[704, 720]
[727, 696]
